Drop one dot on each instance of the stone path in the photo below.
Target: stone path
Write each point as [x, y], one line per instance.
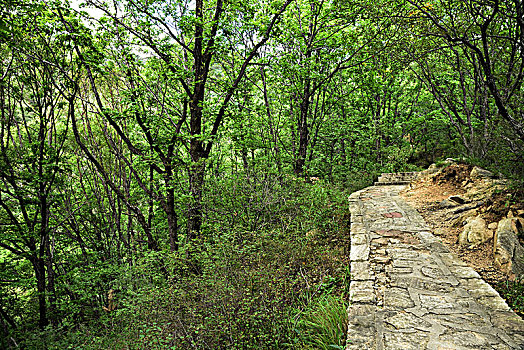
[408, 291]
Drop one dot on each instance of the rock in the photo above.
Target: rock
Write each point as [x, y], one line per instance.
[479, 173]
[468, 207]
[447, 203]
[433, 168]
[452, 201]
[520, 213]
[507, 251]
[460, 220]
[458, 199]
[510, 214]
[439, 232]
[493, 225]
[475, 232]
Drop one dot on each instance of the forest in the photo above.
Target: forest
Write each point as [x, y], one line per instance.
[174, 174]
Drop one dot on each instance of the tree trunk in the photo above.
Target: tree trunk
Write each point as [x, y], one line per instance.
[303, 133]
[197, 168]
[172, 220]
[196, 184]
[39, 268]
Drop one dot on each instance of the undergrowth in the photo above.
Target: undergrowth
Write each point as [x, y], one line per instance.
[513, 293]
[270, 272]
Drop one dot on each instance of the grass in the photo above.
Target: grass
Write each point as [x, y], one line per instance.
[513, 293]
[323, 324]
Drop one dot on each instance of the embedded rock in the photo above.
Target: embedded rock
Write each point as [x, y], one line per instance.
[448, 203]
[458, 199]
[507, 251]
[475, 232]
[462, 218]
[452, 202]
[479, 173]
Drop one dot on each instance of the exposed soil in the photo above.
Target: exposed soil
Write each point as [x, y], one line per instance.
[426, 195]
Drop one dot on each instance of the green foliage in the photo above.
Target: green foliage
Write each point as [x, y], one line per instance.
[240, 288]
[119, 135]
[323, 324]
[513, 293]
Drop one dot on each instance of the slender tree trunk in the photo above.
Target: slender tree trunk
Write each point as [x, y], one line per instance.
[196, 184]
[172, 220]
[39, 268]
[343, 151]
[272, 128]
[197, 167]
[303, 132]
[51, 292]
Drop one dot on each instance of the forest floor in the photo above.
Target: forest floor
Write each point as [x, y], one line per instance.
[426, 194]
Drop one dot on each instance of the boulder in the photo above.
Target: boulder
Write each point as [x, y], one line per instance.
[432, 171]
[475, 232]
[508, 253]
[467, 207]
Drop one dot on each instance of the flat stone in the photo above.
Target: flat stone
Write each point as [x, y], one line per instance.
[358, 239]
[432, 302]
[397, 298]
[359, 252]
[478, 288]
[406, 321]
[392, 215]
[431, 272]
[405, 340]
[465, 339]
[357, 227]
[463, 272]
[399, 270]
[361, 270]
[382, 260]
[459, 321]
[408, 291]
[493, 303]
[402, 254]
[404, 263]
[361, 292]
[362, 315]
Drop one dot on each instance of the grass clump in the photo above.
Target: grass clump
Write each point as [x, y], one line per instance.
[323, 324]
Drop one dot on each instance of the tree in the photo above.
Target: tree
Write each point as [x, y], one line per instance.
[322, 38]
[491, 36]
[191, 45]
[34, 125]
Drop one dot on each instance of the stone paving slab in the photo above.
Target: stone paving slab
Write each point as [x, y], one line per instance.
[408, 291]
